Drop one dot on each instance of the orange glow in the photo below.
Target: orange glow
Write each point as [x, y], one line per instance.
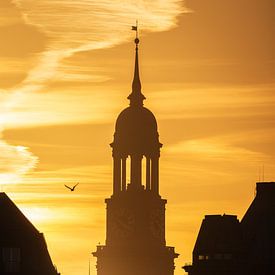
[207, 71]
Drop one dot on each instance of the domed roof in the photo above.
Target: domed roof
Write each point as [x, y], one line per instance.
[140, 119]
[136, 126]
[136, 129]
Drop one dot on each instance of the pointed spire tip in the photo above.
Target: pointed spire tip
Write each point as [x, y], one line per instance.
[136, 97]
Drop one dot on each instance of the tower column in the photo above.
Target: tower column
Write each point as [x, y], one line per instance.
[136, 169]
[155, 175]
[117, 175]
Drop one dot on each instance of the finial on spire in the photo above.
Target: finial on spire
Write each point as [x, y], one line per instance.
[136, 97]
[135, 28]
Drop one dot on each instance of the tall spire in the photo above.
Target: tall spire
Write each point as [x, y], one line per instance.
[136, 97]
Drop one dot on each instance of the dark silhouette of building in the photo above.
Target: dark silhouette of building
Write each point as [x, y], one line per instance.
[218, 248]
[226, 246]
[135, 241]
[23, 249]
[258, 226]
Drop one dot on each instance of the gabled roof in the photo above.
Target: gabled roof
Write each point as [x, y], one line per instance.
[16, 231]
[13, 220]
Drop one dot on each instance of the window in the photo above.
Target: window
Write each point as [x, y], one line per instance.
[201, 257]
[11, 259]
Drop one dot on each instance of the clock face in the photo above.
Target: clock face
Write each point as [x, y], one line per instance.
[157, 223]
[122, 222]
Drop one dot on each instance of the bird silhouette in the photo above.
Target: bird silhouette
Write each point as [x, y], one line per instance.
[71, 188]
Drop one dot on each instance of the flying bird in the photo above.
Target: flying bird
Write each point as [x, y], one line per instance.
[71, 188]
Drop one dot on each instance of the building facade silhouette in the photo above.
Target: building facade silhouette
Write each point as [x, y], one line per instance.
[226, 246]
[135, 235]
[23, 249]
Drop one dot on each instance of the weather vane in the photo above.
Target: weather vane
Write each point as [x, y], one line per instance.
[135, 28]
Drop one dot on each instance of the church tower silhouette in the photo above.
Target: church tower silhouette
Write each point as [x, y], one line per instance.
[135, 241]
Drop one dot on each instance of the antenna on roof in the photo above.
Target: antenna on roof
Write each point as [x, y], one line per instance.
[262, 173]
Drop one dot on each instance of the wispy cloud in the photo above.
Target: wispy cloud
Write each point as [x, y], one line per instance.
[218, 101]
[16, 161]
[216, 149]
[71, 26]
[74, 26]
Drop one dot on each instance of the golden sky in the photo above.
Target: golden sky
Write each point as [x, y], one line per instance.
[207, 70]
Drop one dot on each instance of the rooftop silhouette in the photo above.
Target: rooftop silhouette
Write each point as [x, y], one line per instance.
[258, 226]
[226, 246]
[23, 249]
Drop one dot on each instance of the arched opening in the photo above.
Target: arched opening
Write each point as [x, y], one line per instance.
[143, 176]
[123, 173]
[128, 171]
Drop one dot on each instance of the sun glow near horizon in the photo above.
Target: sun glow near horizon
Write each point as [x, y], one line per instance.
[65, 75]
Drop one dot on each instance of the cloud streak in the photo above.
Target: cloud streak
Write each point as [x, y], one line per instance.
[72, 26]
[16, 161]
